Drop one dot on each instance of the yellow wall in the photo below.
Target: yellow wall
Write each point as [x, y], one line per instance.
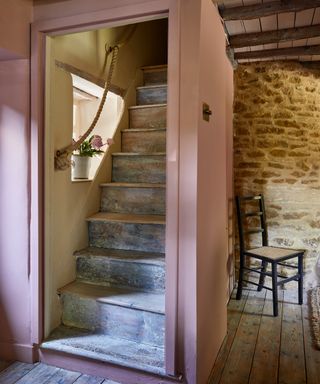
[68, 204]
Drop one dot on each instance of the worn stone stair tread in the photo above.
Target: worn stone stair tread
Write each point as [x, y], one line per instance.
[144, 130]
[147, 106]
[153, 86]
[139, 154]
[106, 349]
[123, 297]
[159, 67]
[133, 185]
[124, 255]
[126, 218]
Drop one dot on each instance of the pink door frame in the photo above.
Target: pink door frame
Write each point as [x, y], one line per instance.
[105, 18]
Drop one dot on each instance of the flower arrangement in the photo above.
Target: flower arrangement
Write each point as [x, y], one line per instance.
[92, 146]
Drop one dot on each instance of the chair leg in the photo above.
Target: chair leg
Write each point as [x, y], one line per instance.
[275, 289]
[300, 281]
[240, 281]
[262, 278]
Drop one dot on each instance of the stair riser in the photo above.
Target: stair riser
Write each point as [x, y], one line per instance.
[139, 169]
[151, 117]
[139, 237]
[144, 201]
[118, 273]
[155, 77]
[79, 312]
[146, 96]
[140, 142]
[125, 323]
[132, 324]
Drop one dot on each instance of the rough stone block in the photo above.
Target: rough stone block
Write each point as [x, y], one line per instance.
[141, 141]
[156, 94]
[139, 168]
[137, 200]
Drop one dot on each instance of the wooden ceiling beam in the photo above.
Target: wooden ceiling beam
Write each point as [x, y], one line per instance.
[266, 9]
[295, 51]
[259, 38]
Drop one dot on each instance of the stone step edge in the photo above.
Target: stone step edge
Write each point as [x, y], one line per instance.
[111, 300]
[144, 129]
[155, 68]
[131, 185]
[146, 258]
[55, 347]
[139, 154]
[147, 106]
[127, 218]
[155, 86]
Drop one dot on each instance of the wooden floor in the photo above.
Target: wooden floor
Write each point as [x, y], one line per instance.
[23, 373]
[262, 349]
[258, 348]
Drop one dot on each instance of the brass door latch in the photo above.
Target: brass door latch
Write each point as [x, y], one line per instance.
[206, 112]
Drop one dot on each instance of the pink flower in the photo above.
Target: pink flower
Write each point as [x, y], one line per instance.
[110, 141]
[96, 142]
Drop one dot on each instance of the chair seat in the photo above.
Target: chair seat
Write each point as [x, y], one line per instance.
[273, 253]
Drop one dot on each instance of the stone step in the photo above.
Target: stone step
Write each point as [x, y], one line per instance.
[121, 313]
[123, 231]
[144, 140]
[139, 167]
[119, 268]
[151, 94]
[136, 198]
[155, 74]
[100, 347]
[148, 116]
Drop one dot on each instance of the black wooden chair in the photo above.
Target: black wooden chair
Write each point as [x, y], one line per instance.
[273, 255]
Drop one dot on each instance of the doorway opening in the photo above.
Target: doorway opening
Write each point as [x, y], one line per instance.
[105, 236]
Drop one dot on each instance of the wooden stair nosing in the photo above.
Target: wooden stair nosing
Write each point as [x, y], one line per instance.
[132, 185]
[143, 129]
[153, 86]
[161, 105]
[127, 218]
[121, 297]
[155, 68]
[139, 257]
[139, 154]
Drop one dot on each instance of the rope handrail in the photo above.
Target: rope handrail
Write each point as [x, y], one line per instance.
[62, 156]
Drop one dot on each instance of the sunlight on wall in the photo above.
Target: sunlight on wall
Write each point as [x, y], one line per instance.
[86, 100]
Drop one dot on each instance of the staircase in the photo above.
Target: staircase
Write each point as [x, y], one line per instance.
[114, 311]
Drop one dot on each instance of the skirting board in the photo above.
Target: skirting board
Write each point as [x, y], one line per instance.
[101, 369]
[21, 352]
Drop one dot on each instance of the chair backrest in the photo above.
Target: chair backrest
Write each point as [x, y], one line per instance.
[244, 210]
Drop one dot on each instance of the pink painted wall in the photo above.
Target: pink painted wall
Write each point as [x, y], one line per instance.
[203, 281]
[205, 184]
[189, 104]
[14, 205]
[212, 180]
[15, 16]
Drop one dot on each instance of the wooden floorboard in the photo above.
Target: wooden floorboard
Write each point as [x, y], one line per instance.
[312, 356]
[262, 349]
[292, 359]
[238, 365]
[235, 309]
[23, 373]
[268, 345]
[15, 372]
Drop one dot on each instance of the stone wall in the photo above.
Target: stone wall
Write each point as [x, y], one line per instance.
[277, 150]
